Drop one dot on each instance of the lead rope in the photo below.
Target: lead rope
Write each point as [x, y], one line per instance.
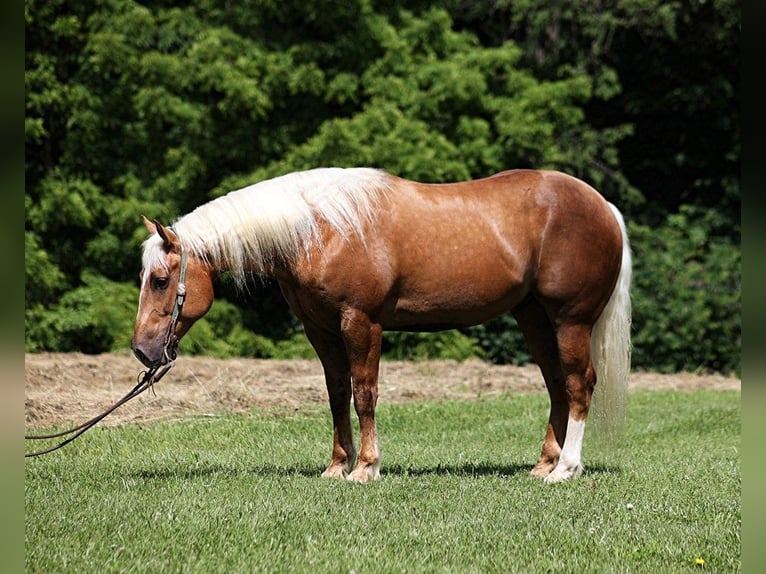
[150, 377]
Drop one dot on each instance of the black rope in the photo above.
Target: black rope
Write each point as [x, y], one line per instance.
[150, 377]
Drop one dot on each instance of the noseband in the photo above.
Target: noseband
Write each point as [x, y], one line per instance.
[170, 344]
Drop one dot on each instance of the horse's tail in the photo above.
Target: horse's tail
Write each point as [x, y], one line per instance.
[611, 350]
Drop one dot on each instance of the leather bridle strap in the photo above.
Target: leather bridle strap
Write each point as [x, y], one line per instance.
[171, 341]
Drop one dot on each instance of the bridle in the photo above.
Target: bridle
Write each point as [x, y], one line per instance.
[170, 345]
[149, 377]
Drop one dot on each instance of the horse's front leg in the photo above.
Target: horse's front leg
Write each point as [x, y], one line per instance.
[332, 353]
[363, 344]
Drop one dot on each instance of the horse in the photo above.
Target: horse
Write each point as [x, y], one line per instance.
[358, 251]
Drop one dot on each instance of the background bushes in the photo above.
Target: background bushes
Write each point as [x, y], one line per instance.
[154, 109]
[686, 302]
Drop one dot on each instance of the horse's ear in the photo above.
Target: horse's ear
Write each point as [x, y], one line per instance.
[169, 239]
[150, 227]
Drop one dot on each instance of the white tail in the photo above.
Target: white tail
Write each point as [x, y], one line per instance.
[610, 351]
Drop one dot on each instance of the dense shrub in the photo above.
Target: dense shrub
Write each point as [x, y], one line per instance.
[94, 318]
[442, 345]
[686, 296]
[501, 341]
[221, 333]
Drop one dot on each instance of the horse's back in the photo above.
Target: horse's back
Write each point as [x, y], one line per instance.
[521, 217]
[473, 250]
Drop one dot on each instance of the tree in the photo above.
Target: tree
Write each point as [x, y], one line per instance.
[158, 108]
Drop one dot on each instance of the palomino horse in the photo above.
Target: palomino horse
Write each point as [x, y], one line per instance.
[359, 251]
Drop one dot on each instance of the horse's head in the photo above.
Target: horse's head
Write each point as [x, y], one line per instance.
[176, 290]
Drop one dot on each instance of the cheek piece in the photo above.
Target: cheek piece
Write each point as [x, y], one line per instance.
[170, 345]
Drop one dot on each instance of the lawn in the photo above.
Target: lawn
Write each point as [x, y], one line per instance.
[242, 493]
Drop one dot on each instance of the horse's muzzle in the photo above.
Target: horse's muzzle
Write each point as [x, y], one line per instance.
[155, 354]
[145, 360]
[154, 351]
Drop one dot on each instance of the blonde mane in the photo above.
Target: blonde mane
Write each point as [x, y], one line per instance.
[249, 229]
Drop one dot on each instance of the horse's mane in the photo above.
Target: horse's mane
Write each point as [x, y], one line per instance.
[251, 228]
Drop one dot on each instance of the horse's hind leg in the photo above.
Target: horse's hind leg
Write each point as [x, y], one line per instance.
[332, 353]
[574, 353]
[543, 346]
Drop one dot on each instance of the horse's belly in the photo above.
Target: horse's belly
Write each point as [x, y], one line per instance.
[452, 302]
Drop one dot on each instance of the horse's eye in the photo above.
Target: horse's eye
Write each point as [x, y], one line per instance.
[160, 283]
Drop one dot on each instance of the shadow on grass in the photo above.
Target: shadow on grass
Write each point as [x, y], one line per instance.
[462, 470]
[466, 469]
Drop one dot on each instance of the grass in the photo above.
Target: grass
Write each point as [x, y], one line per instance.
[243, 494]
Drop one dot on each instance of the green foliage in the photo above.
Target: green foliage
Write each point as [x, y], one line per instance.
[96, 317]
[421, 346]
[222, 494]
[686, 296]
[44, 280]
[501, 341]
[440, 107]
[221, 333]
[672, 147]
[295, 346]
[155, 108]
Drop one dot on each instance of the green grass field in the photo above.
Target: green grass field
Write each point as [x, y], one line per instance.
[243, 494]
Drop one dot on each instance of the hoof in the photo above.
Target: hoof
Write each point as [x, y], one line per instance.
[365, 473]
[336, 471]
[542, 469]
[563, 472]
